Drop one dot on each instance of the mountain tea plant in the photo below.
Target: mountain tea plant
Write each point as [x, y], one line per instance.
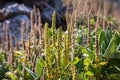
[85, 51]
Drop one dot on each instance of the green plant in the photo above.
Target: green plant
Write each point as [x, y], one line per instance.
[107, 50]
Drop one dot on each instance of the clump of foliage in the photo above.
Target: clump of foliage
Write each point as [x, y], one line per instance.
[97, 51]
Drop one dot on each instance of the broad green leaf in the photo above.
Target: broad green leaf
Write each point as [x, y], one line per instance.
[117, 35]
[111, 49]
[108, 35]
[39, 67]
[103, 47]
[12, 76]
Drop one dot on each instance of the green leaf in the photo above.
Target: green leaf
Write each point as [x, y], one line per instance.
[76, 60]
[103, 47]
[108, 35]
[31, 73]
[87, 61]
[81, 76]
[18, 53]
[111, 49]
[12, 76]
[39, 67]
[89, 73]
[87, 51]
[103, 63]
[102, 37]
[117, 35]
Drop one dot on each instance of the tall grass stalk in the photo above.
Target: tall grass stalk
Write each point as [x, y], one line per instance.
[22, 35]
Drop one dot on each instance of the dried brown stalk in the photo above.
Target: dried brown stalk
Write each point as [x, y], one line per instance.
[39, 18]
[16, 43]
[7, 35]
[89, 26]
[12, 52]
[22, 34]
[28, 47]
[104, 14]
[32, 21]
[35, 14]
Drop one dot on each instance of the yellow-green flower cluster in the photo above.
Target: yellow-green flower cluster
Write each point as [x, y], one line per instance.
[53, 28]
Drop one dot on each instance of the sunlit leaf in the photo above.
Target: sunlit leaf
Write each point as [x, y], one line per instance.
[89, 73]
[103, 63]
[39, 67]
[12, 76]
[76, 60]
[87, 61]
[18, 53]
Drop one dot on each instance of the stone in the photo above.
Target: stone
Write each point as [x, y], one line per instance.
[15, 24]
[14, 9]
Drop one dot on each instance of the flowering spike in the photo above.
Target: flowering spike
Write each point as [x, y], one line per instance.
[53, 28]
